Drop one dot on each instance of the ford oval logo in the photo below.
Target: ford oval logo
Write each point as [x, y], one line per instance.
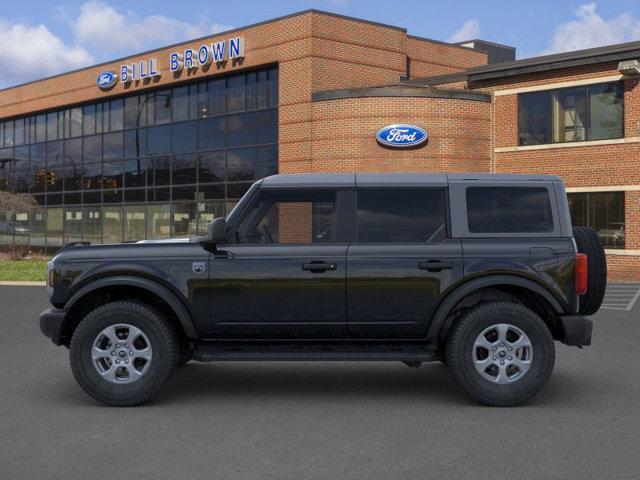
[106, 80]
[401, 136]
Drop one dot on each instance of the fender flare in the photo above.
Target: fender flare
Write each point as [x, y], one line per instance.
[452, 299]
[151, 286]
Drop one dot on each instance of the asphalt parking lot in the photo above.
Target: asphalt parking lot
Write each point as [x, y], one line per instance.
[315, 420]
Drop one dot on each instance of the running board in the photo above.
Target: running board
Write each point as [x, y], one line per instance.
[314, 352]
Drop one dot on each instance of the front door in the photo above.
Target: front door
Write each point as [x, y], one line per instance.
[401, 262]
[282, 275]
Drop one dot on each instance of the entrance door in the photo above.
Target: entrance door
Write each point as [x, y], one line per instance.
[401, 262]
[282, 276]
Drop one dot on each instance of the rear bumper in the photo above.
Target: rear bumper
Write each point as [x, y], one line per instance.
[51, 321]
[577, 330]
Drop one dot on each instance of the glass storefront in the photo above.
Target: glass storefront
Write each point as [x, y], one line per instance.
[158, 164]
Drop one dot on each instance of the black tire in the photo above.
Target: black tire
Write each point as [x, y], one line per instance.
[163, 342]
[460, 353]
[589, 243]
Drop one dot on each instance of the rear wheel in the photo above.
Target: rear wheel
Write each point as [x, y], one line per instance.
[588, 242]
[501, 353]
[123, 353]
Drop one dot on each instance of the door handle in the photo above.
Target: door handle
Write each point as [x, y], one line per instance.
[318, 267]
[435, 266]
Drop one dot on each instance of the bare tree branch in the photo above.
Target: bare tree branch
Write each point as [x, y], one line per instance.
[16, 202]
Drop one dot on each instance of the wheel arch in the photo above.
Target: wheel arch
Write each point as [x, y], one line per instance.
[533, 295]
[146, 290]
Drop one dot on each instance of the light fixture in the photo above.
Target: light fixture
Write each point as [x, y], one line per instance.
[629, 67]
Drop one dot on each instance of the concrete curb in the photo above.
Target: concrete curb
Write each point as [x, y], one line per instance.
[23, 284]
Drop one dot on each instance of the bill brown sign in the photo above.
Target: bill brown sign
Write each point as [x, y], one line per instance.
[189, 59]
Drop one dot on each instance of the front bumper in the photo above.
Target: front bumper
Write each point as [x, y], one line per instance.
[577, 330]
[51, 322]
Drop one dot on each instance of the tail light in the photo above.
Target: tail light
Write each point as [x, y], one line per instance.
[581, 273]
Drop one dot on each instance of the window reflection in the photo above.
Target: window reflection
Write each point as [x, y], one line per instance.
[175, 142]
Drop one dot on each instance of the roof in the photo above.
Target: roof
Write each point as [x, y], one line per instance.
[415, 179]
[609, 53]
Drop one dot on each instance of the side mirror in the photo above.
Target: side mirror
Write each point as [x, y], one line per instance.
[218, 230]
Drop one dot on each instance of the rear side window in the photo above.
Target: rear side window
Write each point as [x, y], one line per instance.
[509, 210]
[401, 216]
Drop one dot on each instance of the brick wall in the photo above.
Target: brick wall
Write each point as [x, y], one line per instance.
[430, 58]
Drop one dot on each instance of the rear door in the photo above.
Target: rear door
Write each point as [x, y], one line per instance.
[401, 261]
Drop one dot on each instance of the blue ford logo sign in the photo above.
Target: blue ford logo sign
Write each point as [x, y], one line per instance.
[106, 80]
[401, 136]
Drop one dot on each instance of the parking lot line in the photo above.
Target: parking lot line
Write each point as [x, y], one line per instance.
[621, 296]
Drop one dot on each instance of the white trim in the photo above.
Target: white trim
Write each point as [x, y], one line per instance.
[551, 86]
[22, 284]
[622, 253]
[611, 188]
[588, 143]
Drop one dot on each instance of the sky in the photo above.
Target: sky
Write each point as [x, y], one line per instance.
[39, 38]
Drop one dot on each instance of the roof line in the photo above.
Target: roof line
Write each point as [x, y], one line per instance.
[441, 42]
[213, 34]
[503, 45]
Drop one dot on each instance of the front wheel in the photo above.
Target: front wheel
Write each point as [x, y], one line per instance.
[501, 353]
[123, 353]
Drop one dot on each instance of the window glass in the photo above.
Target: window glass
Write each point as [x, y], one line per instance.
[134, 222]
[183, 193]
[184, 169]
[38, 168]
[54, 227]
[75, 122]
[211, 133]
[250, 91]
[210, 211]
[89, 120]
[534, 118]
[112, 146]
[21, 169]
[92, 224]
[73, 164]
[602, 211]
[8, 134]
[135, 143]
[184, 137]
[289, 217]
[52, 126]
[112, 196]
[112, 226]
[184, 219]
[215, 95]
[37, 226]
[116, 119]
[158, 140]
[235, 93]
[267, 161]
[92, 148]
[41, 129]
[112, 174]
[215, 191]
[161, 170]
[135, 195]
[401, 216]
[509, 210]
[179, 100]
[130, 115]
[201, 104]
[72, 224]
[1, 135]
[268, 126]
[135, 172]
[606, 104]
[6, 162]
[55, 171]
[241, 129]
[241, 165]
[92, 173]
[158, 221]
[237, 190]
[593, 112]
[19, 131]
[570, 119]
[102, 117]
[162, 109]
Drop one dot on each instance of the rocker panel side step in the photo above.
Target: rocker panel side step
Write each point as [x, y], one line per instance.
[314, 352]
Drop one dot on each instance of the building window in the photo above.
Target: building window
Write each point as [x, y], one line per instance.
[602, 211]
[146, 165]
[593, 112]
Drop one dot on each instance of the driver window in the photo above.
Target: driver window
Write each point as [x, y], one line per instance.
[285, 217]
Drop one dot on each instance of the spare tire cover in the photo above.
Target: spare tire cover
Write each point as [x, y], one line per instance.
[589, 243]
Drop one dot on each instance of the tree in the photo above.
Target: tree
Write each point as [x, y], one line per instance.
[16, 202]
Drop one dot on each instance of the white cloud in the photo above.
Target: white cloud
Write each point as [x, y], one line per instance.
[28, 52]
[105, 29]
[591, 30]
[469, 31]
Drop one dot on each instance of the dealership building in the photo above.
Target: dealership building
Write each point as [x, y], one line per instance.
[157, 144]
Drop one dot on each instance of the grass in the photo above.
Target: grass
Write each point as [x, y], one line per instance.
[23, 270]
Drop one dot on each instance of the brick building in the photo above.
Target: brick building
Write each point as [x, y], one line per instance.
[157, 144]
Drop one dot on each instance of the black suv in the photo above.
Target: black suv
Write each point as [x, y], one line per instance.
[481, 272]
